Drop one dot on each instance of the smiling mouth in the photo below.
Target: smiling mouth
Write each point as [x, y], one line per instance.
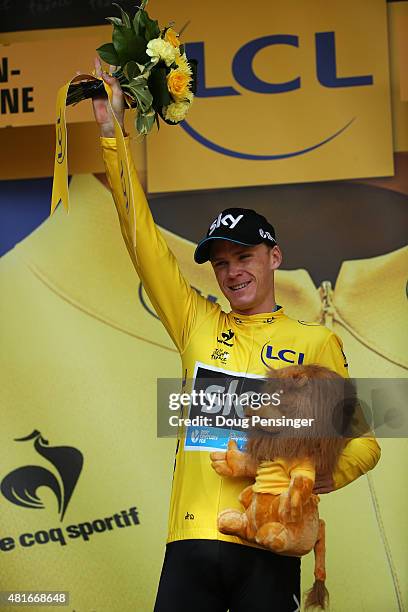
[239, 287]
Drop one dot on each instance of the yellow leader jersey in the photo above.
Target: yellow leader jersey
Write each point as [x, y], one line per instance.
[226, 351]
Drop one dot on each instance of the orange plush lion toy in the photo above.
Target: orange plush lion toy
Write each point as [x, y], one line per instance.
[281, 511]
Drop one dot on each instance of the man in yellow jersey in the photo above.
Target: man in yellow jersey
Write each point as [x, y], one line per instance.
[203, 569]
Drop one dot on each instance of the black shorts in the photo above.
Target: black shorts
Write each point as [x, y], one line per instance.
[216, 576]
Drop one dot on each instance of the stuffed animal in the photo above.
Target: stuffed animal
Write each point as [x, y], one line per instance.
[281, 511]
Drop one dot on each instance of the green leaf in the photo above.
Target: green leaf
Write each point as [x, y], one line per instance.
[108, 54]
[131, 70]
[158, 86]
[114, 21]
[125, 16]
[152, 29]
[138, 24]
[145, 69]
[145, 122]
[129, 46]
[140, 91]
[144, 26]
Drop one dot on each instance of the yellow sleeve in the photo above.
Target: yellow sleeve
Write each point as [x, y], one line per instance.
[332, 356]
[361, 454]
[175, 302]
[358, 457]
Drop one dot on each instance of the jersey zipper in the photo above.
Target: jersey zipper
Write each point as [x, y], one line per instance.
[327, 313]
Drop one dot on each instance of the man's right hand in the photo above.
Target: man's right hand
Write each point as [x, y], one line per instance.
[101, 107]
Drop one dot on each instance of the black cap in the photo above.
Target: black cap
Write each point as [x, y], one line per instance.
[240, 225]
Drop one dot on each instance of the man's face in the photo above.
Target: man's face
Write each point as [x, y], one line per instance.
[245, 275]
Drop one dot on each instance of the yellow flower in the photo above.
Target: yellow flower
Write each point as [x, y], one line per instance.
[182, 63]
[178, 83]
[160, 49]
[172, 37]
[176, 112]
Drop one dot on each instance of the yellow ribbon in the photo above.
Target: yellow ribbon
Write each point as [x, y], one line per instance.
[60, 183]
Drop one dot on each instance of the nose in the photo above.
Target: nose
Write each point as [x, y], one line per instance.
[234, 270]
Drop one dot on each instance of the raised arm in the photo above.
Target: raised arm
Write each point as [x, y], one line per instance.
[176, 303]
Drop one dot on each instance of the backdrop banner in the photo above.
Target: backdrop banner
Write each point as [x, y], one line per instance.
[29, 79]
[300, 91]
[290, 93]
[84, 480]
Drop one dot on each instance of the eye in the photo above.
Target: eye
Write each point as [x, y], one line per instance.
[244, 256]
[218, 264]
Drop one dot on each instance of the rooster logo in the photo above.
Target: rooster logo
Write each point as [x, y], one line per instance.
[20, 486]
[226, 337]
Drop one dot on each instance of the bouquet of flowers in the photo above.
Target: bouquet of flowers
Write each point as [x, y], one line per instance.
[151, 65]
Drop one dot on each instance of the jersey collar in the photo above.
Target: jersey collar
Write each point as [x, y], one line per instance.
[262, 317]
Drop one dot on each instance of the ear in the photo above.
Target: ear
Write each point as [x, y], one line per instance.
[275, 257]
[300, 379]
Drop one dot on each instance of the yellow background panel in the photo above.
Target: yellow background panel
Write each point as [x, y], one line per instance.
[80, 357]
[264, 124]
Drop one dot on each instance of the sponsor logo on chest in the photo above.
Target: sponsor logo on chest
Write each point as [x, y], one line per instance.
[271, 353]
